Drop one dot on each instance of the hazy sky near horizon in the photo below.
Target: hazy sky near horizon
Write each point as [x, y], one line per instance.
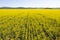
[29, 3]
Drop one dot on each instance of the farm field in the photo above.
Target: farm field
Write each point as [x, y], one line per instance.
[29, 24]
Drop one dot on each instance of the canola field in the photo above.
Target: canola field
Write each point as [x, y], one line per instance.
[29, 24]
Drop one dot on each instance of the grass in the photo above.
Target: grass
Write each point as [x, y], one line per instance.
[29, 24]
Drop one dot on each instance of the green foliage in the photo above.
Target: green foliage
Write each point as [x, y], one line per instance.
[29, 28]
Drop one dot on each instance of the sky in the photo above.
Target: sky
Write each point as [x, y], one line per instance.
[29, 3]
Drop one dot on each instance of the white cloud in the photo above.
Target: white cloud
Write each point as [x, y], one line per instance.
[30, 3]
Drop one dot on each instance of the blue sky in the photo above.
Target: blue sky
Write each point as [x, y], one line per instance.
[29, 3]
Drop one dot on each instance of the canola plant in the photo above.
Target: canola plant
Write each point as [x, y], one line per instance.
[28, 26]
